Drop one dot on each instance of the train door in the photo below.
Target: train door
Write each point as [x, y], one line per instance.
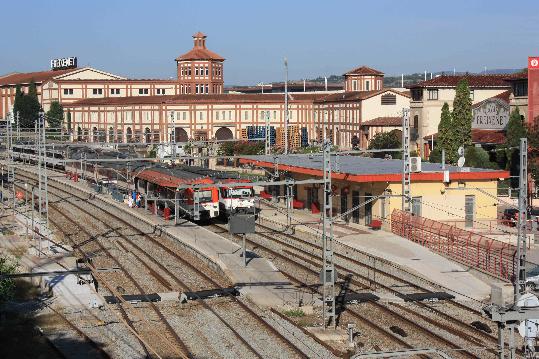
[368, 209]
[355, 203]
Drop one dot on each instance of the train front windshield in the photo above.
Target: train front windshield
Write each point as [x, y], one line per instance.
[203, 196]
[240, 193]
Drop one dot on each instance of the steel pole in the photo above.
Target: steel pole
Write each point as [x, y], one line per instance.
[286, 107]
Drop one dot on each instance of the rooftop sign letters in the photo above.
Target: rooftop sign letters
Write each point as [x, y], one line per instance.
[492, 114]
[64, 63]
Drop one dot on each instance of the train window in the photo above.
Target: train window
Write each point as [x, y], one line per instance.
[203, 196]
[240, 193]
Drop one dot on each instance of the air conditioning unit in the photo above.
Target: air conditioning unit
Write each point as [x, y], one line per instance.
[415, 164]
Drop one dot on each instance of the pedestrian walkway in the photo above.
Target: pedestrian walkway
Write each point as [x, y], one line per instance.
[407, 254]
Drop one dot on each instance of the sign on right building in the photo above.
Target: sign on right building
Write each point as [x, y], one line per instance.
[491, 114]
[533, 88]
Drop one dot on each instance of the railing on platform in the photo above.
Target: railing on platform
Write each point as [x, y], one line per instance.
[472, 249]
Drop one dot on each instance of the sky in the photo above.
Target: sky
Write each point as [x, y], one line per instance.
[141, 39]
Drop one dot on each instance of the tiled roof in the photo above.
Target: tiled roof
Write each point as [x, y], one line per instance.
[200, 53]
[199, 34]
[356, 95]
[494, 137]
[523, 75]
[504, 96]
[210, 98]
[473, 81]
[384, 121]
[27, 77]
[364, 70]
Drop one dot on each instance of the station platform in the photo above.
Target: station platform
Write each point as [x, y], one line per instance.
[260, 280]
[407, 254]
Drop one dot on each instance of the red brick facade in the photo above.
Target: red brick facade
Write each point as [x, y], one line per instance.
[200, 71]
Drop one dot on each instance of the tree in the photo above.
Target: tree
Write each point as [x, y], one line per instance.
[515, 129]
[68, 120]
[446, 135]
[17, 103]
[29, 107]
[7, 286]
[462, 115]
[55, 115]
[386, 140]
[477, 157]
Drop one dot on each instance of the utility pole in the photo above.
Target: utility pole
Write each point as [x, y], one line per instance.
[520, 282]
[286, 106]
[173, 136]
[18, 127]
[42, 169]
[328, 273]
[268, 134]
[406, 160]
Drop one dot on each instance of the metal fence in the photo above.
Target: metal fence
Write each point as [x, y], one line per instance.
[472, 249]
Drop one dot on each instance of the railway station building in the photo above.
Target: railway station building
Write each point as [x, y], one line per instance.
[109, 107]
[442, 195]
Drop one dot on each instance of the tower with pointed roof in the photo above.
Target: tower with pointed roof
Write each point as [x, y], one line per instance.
[363, 78]
[200, 71]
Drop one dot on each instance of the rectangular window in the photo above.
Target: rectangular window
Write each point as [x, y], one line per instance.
[207, 89]
[432, 94]
[207, 71]
[367, 85]
[354, 85]
[520, 89]
[189, 71]
[246, 115]
[274, 115]
[229, 115]
[114, 91]
[196, 89]
[97, 91]
[417, 94]
[471, 94]
[223, 114]
[416, 206]
[196, 70]
[469, 210]
[68, 91]
[160, 91]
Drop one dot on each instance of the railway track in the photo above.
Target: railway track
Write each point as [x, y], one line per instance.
[420, 317]
[164, 276]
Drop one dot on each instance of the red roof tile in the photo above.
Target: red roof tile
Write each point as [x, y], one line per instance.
[200, 53]
[356, 95]
[504, 96]
[210, 98]
[27, 77]
[384, 121]
[364, 70]
[523, 75]
[473, 81]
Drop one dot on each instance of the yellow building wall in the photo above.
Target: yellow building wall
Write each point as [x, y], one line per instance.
[439, 201]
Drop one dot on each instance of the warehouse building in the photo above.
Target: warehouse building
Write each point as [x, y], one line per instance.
[453, 194]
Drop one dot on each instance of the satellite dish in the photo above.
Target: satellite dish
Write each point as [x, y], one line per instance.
[528, 328]
[461, 161]
[461, 151]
